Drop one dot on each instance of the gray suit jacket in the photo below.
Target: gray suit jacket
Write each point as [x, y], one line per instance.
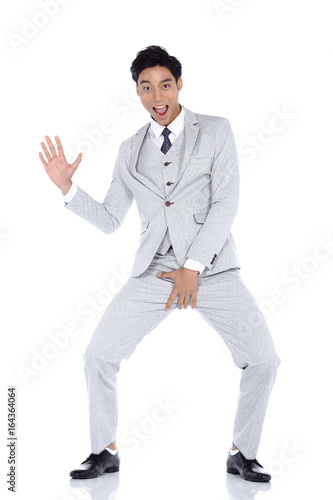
[199, 209]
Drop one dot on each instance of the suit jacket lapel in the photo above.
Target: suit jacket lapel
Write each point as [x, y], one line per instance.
[136, 146]
[191, 133]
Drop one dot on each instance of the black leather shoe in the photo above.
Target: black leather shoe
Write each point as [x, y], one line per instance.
[250, 470]
[96, 465]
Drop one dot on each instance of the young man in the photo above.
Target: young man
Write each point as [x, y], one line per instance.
[182, 170]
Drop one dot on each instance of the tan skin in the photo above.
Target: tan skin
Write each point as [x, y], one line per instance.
[57, 167]
[156, 87]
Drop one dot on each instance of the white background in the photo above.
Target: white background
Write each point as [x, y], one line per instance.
[65, 69]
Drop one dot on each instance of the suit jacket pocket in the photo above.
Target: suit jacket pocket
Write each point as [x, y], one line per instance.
[200, 217]
[144, 226]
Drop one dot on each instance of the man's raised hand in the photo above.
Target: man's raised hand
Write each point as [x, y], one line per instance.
[56, 165]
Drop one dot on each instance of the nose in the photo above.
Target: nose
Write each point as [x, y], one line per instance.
[157, 95]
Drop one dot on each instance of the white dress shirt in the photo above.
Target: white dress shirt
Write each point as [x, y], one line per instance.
[155, 129]
[155, 134]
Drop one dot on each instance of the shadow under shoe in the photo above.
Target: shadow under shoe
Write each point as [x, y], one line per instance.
[250, 470]
[96, 464]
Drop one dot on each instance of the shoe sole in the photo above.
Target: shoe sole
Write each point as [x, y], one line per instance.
[255, 480]
[112, 469]
[83, 476]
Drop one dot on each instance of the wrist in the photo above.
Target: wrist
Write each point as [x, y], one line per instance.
[193, 271]
[66, 187]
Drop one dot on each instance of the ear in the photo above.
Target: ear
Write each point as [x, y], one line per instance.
[180, 83]
[137, 89]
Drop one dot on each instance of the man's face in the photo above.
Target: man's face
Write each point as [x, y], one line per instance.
[159, 93]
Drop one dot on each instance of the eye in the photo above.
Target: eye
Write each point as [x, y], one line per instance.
[146, 89]
[166, 85]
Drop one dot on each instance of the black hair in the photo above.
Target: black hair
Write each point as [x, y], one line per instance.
[155, 55]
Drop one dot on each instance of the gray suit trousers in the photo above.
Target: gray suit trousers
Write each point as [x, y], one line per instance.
[138, 307]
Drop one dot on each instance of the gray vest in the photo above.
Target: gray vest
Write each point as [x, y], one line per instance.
[151, 164]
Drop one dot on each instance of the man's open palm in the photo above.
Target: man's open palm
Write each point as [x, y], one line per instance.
[56, 165]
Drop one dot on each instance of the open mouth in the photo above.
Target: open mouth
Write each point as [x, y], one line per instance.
[161, 110]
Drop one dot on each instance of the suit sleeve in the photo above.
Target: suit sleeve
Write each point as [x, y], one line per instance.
[108, 215]
[225, 196]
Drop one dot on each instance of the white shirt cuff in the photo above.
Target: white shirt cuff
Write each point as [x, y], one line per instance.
[70, 194]
[194, 265]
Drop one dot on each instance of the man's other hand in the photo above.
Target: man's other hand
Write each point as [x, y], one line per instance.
[185, 286]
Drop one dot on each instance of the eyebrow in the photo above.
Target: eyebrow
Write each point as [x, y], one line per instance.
[162, 81]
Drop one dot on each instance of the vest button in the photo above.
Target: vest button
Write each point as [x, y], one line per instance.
[167, 203]
[169, 183]
[167, 163]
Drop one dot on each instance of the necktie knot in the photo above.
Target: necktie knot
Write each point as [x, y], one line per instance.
[166, 143]
[166, 132]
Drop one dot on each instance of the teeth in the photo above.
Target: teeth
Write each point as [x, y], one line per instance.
[158, 107]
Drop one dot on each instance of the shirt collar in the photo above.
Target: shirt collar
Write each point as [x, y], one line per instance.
[176, 126]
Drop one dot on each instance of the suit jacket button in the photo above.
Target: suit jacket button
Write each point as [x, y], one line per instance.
[211, 261]
[167, 203]
[215, 255]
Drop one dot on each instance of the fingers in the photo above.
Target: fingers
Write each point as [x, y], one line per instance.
[59, 146]
[183, 300]
[50, 144]
[46, 151]
[165, 274]
[52, 149]
[42, 159]
[194, 300]
[172, 297]
[185, 289]
[77, 161]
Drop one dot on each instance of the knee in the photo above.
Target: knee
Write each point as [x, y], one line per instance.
[90, 360]
[91, 357]
[96, 360]
[88, 354]
[271, 364]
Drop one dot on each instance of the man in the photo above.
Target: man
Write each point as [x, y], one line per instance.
[181, 168]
